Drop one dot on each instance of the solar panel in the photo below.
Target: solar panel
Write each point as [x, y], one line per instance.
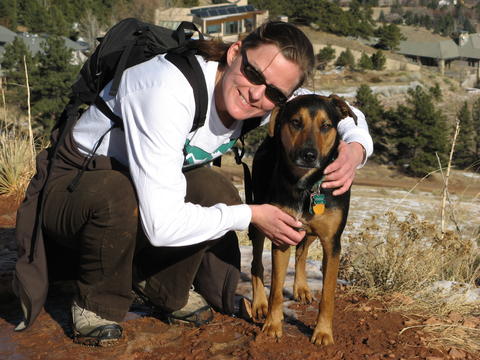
[221, 10]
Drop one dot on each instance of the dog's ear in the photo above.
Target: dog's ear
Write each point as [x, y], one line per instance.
[342, 107]
[273, 120]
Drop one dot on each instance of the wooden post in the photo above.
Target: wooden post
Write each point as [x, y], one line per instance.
[445, 187]
[30, 132]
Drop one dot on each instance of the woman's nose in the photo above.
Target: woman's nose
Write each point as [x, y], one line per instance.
[256, 92]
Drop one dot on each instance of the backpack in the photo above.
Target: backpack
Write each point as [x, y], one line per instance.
[131, 42]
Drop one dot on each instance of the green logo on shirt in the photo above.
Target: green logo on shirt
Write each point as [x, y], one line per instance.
[195, 155]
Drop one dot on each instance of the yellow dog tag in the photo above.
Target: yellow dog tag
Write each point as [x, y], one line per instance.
[318, 209]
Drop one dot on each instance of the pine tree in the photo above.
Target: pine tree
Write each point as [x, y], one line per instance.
[378, 60]
[379, 125]
[464, 155]
[365, 62]
[51, 85]
[346, 59]
[422, 133]
[8, 14]
[476, 127]
[14, 68]
[324, 56]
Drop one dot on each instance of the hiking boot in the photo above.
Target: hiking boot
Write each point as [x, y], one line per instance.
[196, 312]
[91, 329]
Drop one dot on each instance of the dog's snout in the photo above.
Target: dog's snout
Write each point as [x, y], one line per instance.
[309, 155]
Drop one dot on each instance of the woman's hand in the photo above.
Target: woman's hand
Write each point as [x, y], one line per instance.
[340, 173]
[277, 225]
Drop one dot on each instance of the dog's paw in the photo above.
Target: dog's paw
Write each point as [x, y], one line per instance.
[302, 295]
[273, 328]
[321, 337]
[259, 310]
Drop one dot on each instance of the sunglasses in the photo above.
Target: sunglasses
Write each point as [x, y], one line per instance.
[257, 78]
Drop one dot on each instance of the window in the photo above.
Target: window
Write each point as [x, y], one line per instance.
[213, 29]
[248, 25]
[231, 27]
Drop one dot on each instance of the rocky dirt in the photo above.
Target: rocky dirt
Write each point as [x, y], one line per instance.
[363, 328]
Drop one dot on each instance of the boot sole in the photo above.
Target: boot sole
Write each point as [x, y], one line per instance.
[94, 341]
[90, 341]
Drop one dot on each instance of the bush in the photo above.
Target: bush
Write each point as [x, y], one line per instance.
[346, 59]
[378, 60]
[324, 56]
[16, 162]
[365, 62]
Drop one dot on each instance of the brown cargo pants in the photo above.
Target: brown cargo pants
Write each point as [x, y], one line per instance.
[93, 235]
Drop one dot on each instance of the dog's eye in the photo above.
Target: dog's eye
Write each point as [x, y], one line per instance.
[326, 126]
[296, 123]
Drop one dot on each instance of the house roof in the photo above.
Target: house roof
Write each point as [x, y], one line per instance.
[471, 48]
[445, 50]
[6, 35]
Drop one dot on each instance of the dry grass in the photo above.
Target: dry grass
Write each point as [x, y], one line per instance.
[17, 163]
[419, 271]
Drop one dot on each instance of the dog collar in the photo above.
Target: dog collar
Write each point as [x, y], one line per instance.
[317, 199]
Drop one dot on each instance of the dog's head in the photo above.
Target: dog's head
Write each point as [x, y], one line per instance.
[306, 127]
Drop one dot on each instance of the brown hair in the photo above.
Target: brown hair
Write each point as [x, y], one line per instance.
[292, 42]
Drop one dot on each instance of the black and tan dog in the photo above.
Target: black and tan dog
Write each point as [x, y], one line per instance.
[287, 172]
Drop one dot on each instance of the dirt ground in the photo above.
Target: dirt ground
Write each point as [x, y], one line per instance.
[363, 328]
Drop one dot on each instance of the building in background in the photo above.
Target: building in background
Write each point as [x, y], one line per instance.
[226, 21]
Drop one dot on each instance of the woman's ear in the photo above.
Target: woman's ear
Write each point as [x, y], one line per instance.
[273, 119]
[233, 51]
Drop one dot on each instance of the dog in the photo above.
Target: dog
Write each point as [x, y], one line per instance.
[287, 172]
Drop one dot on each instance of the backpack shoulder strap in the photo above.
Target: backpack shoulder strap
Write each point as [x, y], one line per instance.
[188, 64]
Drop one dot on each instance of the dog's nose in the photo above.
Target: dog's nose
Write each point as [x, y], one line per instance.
[309, 155]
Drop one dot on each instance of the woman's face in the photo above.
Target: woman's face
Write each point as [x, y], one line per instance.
[237, 98]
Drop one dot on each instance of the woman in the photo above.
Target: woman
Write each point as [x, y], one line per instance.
[162, 218]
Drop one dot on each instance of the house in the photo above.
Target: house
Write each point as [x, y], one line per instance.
[443, 53]
[226, 21]
[34, 43]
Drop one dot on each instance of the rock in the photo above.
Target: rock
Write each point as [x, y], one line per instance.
[455, 317]
[456, 354]
[432, 321]
[471, 322]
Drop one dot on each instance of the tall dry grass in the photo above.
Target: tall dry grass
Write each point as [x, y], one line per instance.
[17, 163]
[421, 271]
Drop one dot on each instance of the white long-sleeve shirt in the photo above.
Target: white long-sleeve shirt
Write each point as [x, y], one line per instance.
[157, 106]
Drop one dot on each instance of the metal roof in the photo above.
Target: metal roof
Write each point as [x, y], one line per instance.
[6, 35]
[445, 50]
[471, 48]
[223, 10]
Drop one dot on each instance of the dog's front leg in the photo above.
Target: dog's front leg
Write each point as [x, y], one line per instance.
[323, 333]
[273, 323]
[301, 291]
[260, 304]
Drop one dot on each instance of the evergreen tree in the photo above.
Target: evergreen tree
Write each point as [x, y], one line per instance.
[380, 128]
[346, 59]
[421, 133]
[389, 36]
[476, 127]
[378, 60]
[362, 25]
[8, 14]
[381, 17]
[14, 67]
[51, 85]
[464, 154]
[365, 62]
[324, 56]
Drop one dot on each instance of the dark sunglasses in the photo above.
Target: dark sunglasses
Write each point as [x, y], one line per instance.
[257, 78]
